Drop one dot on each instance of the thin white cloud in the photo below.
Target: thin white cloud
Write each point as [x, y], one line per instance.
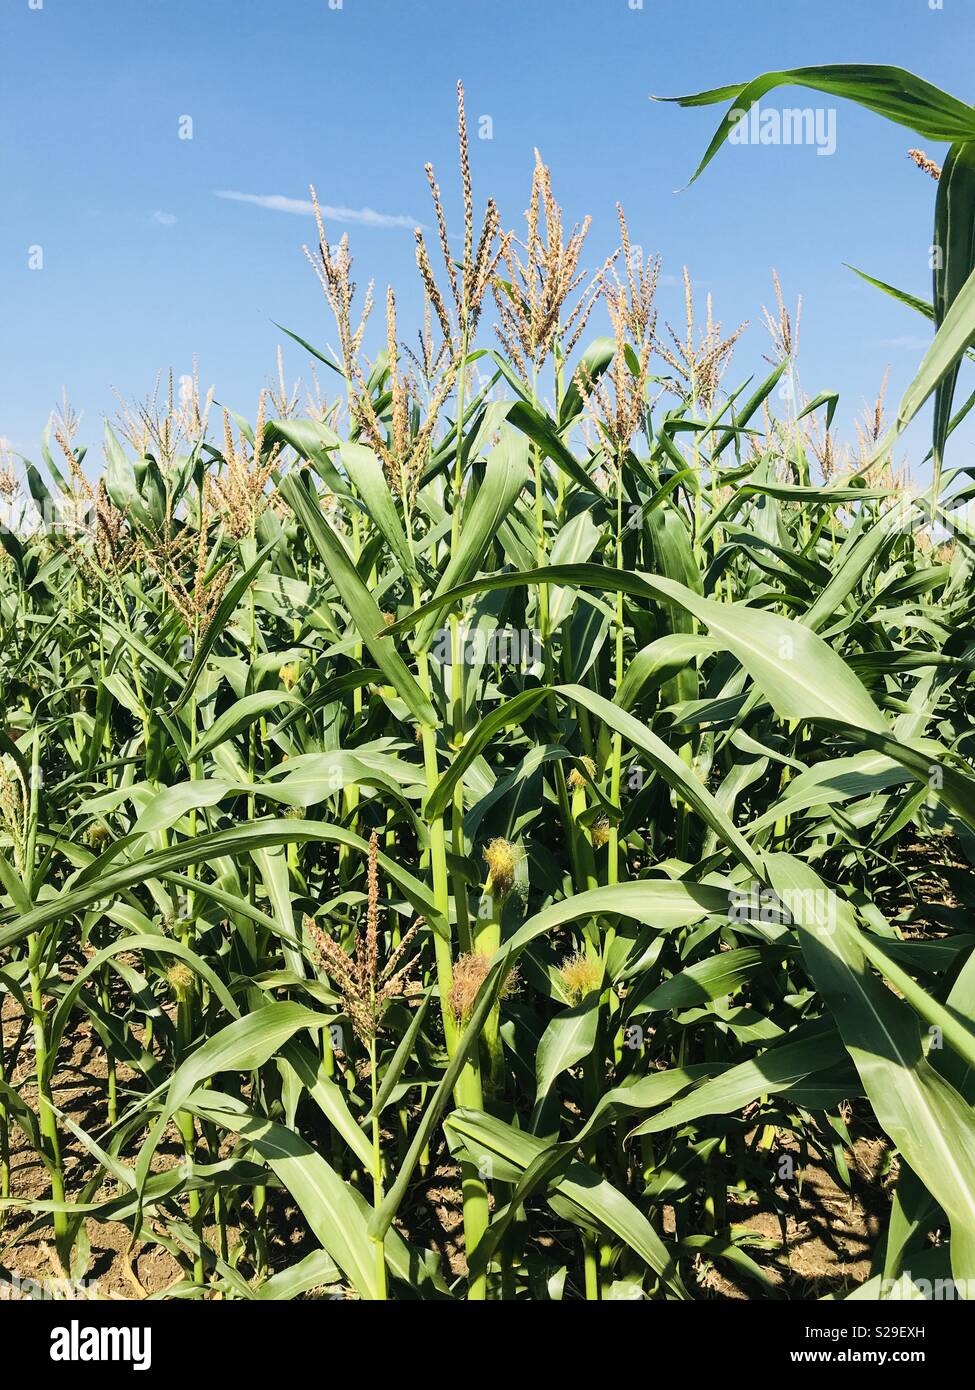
[907, 342]
[165, 219]
[673, 281]
[302, 207]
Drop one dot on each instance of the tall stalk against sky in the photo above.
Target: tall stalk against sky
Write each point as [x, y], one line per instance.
[474, 826]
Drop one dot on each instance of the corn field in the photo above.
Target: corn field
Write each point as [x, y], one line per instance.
[484, 831]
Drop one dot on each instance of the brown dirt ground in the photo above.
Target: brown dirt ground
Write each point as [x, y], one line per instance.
[819, 1236]
[814, 1238]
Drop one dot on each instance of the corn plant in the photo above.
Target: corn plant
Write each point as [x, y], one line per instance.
[508, 767]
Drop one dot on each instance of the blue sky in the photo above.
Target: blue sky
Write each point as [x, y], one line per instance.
[143, 265]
